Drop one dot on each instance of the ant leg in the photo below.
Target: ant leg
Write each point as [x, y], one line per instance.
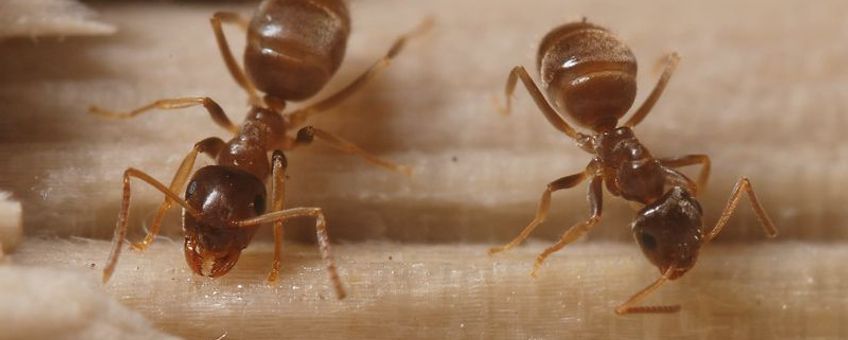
[210, 105]
[278, 190]
[210, 146]
[743, 185]
[299, 116]
[577, 230]
[123, 216]
[674, 177]
[671, 64]
[628, 307]
[680, 161]
[321, 230]
[227, 54]
[519, 72]
[307, 134]
[542, 211]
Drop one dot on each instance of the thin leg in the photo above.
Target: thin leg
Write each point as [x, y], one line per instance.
[307, 134]
[321, 230]
[577, 230]
[227, 54]
[671, 64]
[674, 177]
[278, 190]
[542, 211]
[519, 72]
[211, 106]
[123, 216]
[630, 307]
[703, 160]
[299, 116]
[210, 146]
[743, 185]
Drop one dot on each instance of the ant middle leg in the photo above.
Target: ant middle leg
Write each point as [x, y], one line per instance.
[224, 47]
[519, 72]
[577, 230]
[309, 133]
[542, 211]
[321, 231]
[123, 215]
[215, 110]
[671, 64]
[209, 146]
[278, 192]
[743, 186]
[299, 117]
[686, 160]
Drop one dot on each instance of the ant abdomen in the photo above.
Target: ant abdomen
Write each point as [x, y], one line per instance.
[588, 73]
[295, 47]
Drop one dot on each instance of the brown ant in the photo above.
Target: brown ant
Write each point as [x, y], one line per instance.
[293, 48]
[591, 75]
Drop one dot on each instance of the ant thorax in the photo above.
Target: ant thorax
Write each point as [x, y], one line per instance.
[628, 168]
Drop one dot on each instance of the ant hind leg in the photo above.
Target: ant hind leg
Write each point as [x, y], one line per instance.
[215, 110]
[519, 72]
[298, 117]
[227, 54]
[671, 64]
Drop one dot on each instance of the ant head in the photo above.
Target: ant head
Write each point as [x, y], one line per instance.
[223, 195]
[669, 231]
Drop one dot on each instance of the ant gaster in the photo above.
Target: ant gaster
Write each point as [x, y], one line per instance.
[591, 75]
[293, 48]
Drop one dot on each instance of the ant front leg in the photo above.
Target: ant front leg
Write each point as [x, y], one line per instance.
[321, 231]
[299, 117]
[210, 146]
[278, 192]
[681, 161]
[743, 186]
[542, 211]
[629, 306]
[210, 105]
[519, 72]
[227, 54]
[123, 216]
[577, 230]
[671, 64]
[309, 133]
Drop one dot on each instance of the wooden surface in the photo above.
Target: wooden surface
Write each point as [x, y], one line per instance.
[760, 89]
[454, 291]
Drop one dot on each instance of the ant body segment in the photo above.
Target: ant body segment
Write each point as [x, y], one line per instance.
[590, 75]
[293, 48]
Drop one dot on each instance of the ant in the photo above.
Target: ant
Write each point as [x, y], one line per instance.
[591, 75]
[293, 48]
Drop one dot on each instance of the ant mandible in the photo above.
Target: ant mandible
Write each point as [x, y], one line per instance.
[591, 75]
[293, 48]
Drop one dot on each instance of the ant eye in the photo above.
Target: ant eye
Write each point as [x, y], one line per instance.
[259, 204]
[192, 187]
[648, 242]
